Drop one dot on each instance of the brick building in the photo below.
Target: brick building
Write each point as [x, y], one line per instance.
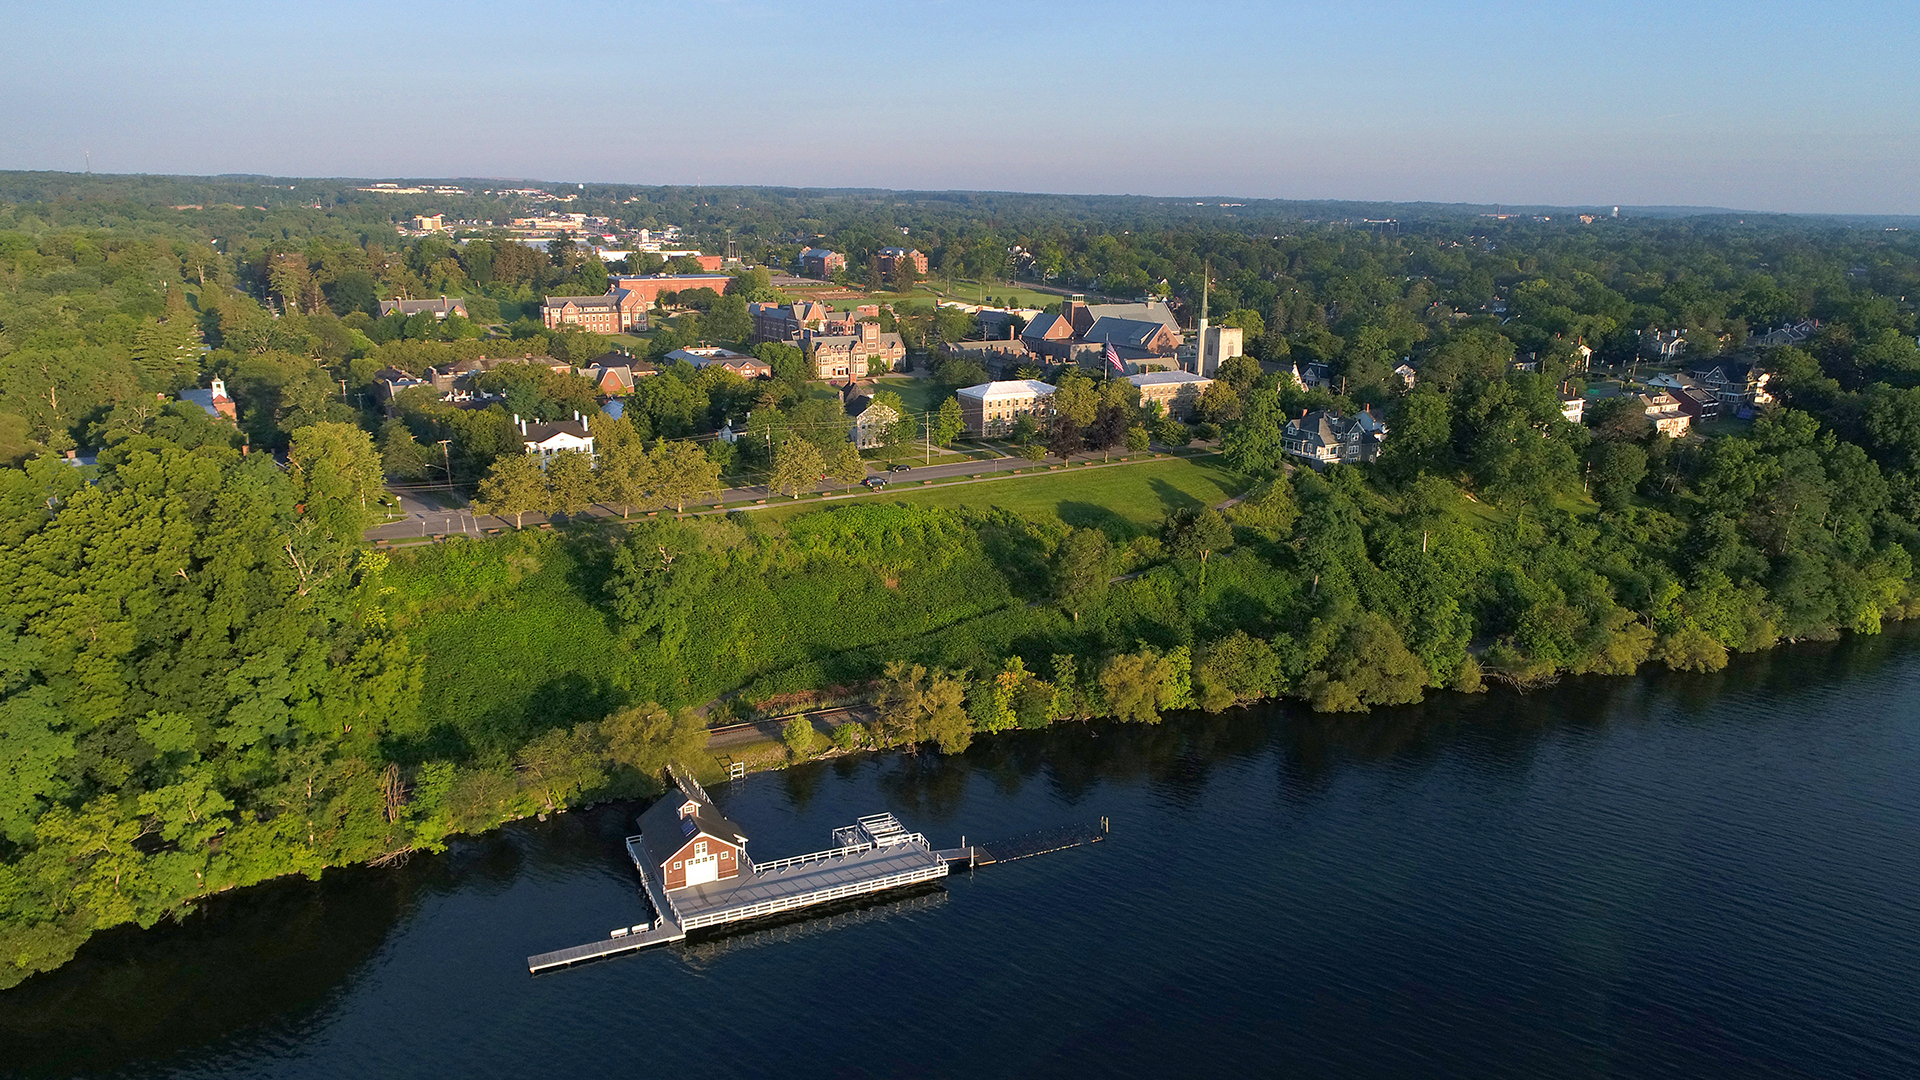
[613, 313]
[887, 258]
[821, 263]
[648, 287]
[855, 355]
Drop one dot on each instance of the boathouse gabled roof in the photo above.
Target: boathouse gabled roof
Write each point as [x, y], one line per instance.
[677, 817]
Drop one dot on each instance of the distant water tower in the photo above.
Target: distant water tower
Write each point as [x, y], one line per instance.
[1616, 211]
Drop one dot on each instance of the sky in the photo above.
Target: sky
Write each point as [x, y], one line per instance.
[1811, 106]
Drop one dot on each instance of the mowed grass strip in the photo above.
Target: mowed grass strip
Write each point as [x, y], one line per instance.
[1136, 496]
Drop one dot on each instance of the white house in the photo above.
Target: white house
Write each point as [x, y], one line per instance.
[547, 439]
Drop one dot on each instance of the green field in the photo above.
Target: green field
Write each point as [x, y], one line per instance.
[919, 395]
[972, 292]
[1134, 497]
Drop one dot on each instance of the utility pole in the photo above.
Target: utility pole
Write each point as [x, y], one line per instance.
[446, 456]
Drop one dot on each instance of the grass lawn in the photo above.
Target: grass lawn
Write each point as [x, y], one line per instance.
[918, 395]
[972, 292]
[1133, 497]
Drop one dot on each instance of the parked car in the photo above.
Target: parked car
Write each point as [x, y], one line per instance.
[875, 482]
[897, 467]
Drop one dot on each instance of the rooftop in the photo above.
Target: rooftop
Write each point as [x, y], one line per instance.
[1006, 388]
[1162, 378]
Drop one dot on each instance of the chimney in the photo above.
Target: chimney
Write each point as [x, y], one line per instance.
[71, 454]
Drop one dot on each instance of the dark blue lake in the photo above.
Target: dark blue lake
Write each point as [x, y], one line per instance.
[1650, 877]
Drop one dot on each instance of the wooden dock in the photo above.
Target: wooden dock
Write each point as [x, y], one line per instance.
[663, 934]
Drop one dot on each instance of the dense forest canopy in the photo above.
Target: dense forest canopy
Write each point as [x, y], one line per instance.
[208, 678]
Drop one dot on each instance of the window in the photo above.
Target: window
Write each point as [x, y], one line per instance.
[700, 850]
[676, 864]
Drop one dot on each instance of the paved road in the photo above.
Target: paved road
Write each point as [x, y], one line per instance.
[425, 521]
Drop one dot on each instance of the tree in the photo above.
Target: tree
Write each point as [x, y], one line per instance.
[336, 474]
[1615, 472]
[682, 471]
[514, 486]
[647, 738]
[626, 474]
[401, 456]
[917, 705]
[1138, 438]
[797, 467]
[1239, 373]
[800, 737]
[905, 273]
[788, 362]
[1196, 534]
[1081, 568]
[659, 574]
[1077, 401]
[727, 320]
[947, 423]
[1138, 685]
[571, 483]
[1254, 445]
[846, 464]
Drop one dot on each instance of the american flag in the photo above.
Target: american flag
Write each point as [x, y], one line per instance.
[1113, 359]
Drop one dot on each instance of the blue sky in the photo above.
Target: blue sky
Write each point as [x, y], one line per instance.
[1761, 105]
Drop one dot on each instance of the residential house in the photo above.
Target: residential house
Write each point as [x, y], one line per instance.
[1695, 400]
[856, 355]
[439, 309]
[1177, 392]
[1662, 344]
[1314, 375]
[212, 398]
[1667, 415]
[1574, 408]
[1739, 386]
[1327, 438]
[821, 263]
[1786, 334]
[547, 439]
[871, 421]
[1408, 376]
[887, 258]
[993, 408]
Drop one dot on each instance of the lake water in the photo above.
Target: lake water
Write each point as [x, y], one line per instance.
[1650, 877]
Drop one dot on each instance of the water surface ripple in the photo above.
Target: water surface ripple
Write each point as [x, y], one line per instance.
[1649, 877]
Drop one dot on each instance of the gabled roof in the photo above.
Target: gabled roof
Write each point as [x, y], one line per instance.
[663, 830]
[1151, 311]
[1048, 327]
[1134, 333]
[539, 433]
